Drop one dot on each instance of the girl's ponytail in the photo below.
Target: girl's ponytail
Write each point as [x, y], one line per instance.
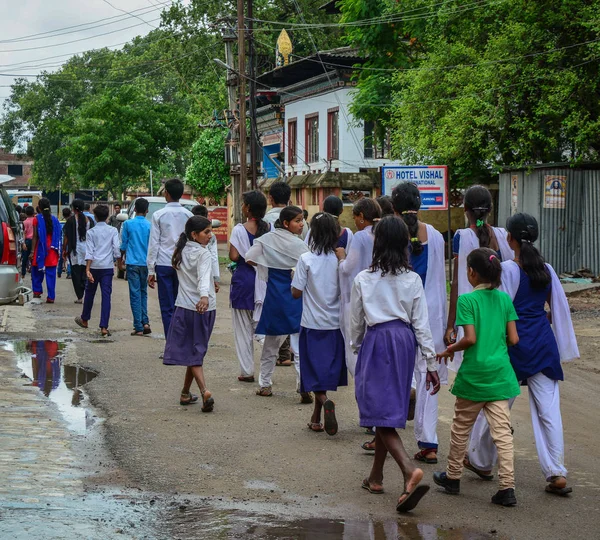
[524, 229]
[406, 201]
[176, 260]
[257, 207]
[478, 204]
[44, 206]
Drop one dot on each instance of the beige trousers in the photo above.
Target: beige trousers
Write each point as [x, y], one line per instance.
[497, 414]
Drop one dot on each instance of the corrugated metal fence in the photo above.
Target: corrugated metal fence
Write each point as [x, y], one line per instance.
[566, 203]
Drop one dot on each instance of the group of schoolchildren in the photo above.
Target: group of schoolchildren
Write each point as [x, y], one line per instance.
[372, 303]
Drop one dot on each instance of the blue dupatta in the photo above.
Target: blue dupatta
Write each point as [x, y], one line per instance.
[42, 250]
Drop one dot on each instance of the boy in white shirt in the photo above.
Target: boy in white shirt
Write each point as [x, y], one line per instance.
[102, 249]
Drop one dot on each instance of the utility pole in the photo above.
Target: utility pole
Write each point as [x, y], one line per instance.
[241, 38]
[252, 96]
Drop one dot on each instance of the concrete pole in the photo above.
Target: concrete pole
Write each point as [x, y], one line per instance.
[242, 93]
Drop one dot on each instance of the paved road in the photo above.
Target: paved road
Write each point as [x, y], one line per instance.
[257, 451]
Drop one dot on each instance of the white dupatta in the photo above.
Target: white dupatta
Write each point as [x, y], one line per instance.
[562, 325]
[240, 241]
[435, 296]
[469, 242]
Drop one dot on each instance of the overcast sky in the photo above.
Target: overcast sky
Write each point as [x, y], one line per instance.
[21, 19]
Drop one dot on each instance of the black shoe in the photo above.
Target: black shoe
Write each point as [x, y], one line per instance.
[451, 486]
[505, 497]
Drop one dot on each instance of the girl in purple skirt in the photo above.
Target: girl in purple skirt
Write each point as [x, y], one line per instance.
[322, 354]
[389, 320]
[195, 309]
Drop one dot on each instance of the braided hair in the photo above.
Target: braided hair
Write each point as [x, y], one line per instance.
[478, 204]
[406, 200]
[44, 206]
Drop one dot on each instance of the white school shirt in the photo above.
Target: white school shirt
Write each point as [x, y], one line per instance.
[167, 225]
[195, 277]
[102, 246]
[359, 257]
[213, 248]
[377, 299]
[317, 277]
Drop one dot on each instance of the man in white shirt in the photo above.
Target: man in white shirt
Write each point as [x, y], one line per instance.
[167, 225]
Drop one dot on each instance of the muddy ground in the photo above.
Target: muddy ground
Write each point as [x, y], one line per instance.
[256, 453]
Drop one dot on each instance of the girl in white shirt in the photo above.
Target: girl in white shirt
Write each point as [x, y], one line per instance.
[322, 355]
[195, 309]
[389, 321]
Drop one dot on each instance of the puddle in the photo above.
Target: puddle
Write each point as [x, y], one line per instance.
[41, 361]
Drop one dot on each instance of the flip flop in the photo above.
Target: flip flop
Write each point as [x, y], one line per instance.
[413, 498]
[81, 322]
[134, 333]
[558, 490]
[315, 426]
[284, 363]
[105, 332]
[422, 456]
[468, 465]
[246, 378]
[367, 485]
[331, 425]
[208, 403]
[192, 398]
[369, 446]
[147, 330]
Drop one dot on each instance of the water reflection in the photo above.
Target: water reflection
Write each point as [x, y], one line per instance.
[42, 362]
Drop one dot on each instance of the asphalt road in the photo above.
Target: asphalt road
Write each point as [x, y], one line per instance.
[258, 451]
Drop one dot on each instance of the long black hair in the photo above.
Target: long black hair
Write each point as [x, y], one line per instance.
[369, 208]
[194, 224]
[385, 203]
[486, 263]
[44, 206]
[287, 214]
[407, 202]
[524, 229]
[333, 205]
[390, 249]
[257, 207]
[324, 233]
[82, 219]
[478, 204]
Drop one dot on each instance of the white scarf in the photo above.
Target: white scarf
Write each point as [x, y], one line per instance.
[469, 242]
[562, 325]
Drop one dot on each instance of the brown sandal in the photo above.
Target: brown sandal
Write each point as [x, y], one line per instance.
[315, 426]
[367, 485]
[246, 378]
[265, 391]
[81, 322]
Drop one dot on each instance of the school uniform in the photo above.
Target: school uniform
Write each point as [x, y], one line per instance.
[167, 225]
[322, 354]
[536, 360]
[389, 320]
[28, 226]
[190, 331]
[344, 240]
[359, 257]
[46, 256]
[246, 295]
[276, 254]
[102, 248]
[76, 249]
[135, 236]
[430, 266]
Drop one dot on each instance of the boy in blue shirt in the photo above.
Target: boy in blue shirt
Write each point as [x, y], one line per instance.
[135, 236]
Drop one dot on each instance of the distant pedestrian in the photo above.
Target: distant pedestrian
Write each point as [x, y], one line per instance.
[28, 226]
[45, 249]
[485, 380]
[213, 247]
[322, 354]
[74, 247]
[389, 325]
[87, 212]
[195, 312]
[112, 220]
[247, 293]
[102, 249]
[168, 224]
[135, 237]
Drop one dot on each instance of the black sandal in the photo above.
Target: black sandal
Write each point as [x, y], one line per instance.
[208, 403]
[190, 398]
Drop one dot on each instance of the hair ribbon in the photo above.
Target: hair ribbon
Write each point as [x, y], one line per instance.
[480, 223]
[414, 239]
[492, 257]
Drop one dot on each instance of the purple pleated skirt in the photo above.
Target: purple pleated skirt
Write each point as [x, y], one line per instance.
[322, 360]
[187, 340]
[384, 371]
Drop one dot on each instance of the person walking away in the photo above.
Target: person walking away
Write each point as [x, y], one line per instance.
[360, 254]
[427, 260]
[168, 224]
[101, 251]
[88, 213]
[28, 226]
[334, 206]
[135, 236]
[74, 247]
[485, 381]
[213, 246]
[247, 293]
[66, 214]
[112, 220]
[45, 249]
[195, 309]
[279, 197]
[322, 353]
[545, 340]
[276, 254]
[389, 324]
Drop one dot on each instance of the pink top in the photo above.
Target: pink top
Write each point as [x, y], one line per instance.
[28, 225]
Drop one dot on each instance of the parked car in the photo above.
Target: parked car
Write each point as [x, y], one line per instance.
[10, 280]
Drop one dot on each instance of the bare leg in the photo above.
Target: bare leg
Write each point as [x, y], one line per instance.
[187, 382]
[198, 374]
[376, 476]
[320, 398]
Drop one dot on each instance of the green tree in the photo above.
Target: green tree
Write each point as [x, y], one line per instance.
[208, 173]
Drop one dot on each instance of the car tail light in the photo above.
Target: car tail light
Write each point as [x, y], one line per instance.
[9, 251]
